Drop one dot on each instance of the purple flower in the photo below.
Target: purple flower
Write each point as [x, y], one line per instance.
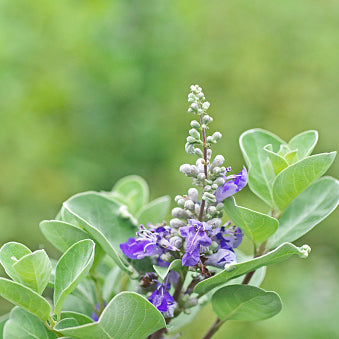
[228, 238]
[221, 258]
[196, 235]
[233, 184]
[152, 241]
[162, 300]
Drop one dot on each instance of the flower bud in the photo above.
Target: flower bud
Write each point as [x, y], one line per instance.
[214, 245]
[177, 197]
[214, 187]
[222, 169]
[207, 188]
[191, 303]
[209, 154]
[194, 107]
[192, 140]
[215, 222]
[195, 124]
[209, 197]
[194, 133]
[189, 148]
[178, 212]
[176, 241]
[201, 176]
[197, 209]
[218, 161]
[198, 152]
[212, 210]
[219, 181]
[181, 202]
[216, 136]
[216, 170]
[189, 204]
[166, 256]
[185, 169]
[193, 194]
[210, 140]
[206, 105]
[194, 170]
[176, 223]
[207, 119]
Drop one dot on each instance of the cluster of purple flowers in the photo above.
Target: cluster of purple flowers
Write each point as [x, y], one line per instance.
[205, 244]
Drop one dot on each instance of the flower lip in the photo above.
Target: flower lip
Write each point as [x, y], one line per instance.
[233, 184]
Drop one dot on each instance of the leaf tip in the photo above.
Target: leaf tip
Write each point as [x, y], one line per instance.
[304, 251]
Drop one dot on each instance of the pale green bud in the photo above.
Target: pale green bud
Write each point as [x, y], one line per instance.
[189, 204]
[207, 119]
[194, 133]
[220, 206]
[198, 152]
[212, 210]
[176, 223]
[207, 188]
[214, 187]
[185, 169]
[201, 176]
[216, 136]
[195, 124]
[176, 241]
[193, 194]
[210, 140]
[191, 140]
[181, 202]
[194, 106]
[219, 181]
[218, 161]
[178, 212]
[206, 105]
[177, 197]
[209, 197]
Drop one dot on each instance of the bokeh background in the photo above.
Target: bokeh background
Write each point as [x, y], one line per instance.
[91, 91]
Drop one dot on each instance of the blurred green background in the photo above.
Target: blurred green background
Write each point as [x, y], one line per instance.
[91, 91]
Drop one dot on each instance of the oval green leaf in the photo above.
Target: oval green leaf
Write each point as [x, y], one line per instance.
[101, 218]
[34, 270]
[23, 296]
[176, 265]
[23, 324]
[297, 177]
[304, 143]
[71, 269]
[128, 315]
[134, 191]
[256, 226]
[246, 303]
[231, 271]
[62, 235]
[307, 210]
[10, 253]
[155, 211]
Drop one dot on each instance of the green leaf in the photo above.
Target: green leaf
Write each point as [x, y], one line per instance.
[71, 269]
[246, 303]
[297, 177]
[3, 320]
[113, 283]
[291, 157]
[175, 265]
[23, 296]
[62, 235]
[10, 253]
[256, 226]
[232, 271]
[155, 211]
[34, 270]
[23, 324]
[261, 173]
[304, 143]
[102, 219]
[78, 304]
[277, 161]
[134, 191]
[128, 315]
[307, 210]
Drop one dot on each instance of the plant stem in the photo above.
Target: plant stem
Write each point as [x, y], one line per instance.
[213, 329]
[202, 206]
[98, 293]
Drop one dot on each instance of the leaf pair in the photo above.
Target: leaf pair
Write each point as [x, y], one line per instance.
[30, 269]
[280, 171]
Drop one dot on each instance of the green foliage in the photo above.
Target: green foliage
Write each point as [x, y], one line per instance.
[31, 269]
[245, 303]
[124, 317]
[62, 234]
[71, 269]
[297, 177]
[174, 266]
[231, 271]
[155, 211]
[307, 210]
[22, 324]
[256, 226]
[280, 171]
[26, 298]
[102, 219]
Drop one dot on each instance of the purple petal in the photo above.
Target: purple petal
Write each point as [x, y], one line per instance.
[221, 258]
[232, 186]
[139, 248]
[191, 258]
